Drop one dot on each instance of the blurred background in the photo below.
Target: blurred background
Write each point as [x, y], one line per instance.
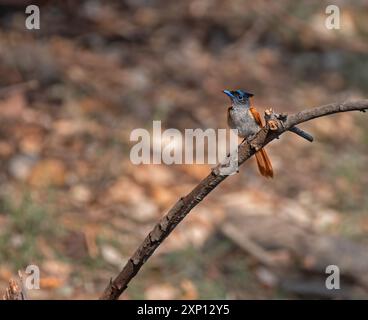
[72, 203]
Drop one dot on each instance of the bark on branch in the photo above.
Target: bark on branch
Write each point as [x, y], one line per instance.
[276, 125]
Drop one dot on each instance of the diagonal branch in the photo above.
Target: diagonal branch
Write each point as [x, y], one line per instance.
[280, 124]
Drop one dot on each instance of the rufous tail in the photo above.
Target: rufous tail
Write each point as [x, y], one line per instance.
[264, 164]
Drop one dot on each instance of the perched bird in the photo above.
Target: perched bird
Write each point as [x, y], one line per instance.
[246, 119]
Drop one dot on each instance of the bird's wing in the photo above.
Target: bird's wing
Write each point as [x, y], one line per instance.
[256, 116]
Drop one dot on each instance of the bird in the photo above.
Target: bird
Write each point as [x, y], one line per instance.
[247, 120]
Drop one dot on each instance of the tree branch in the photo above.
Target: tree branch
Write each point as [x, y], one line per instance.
[276, 125]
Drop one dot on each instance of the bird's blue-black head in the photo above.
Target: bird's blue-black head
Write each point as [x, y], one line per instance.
[239, 96]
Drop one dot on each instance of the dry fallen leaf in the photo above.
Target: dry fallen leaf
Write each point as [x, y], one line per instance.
[13, 105]
[164, 197]
[6, 149]
[112, 256]
[5, 273]
[190, 290]
[50, 282]
[46, 173]
[81, 193]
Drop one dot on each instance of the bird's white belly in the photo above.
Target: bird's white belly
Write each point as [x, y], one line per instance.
[244, 122]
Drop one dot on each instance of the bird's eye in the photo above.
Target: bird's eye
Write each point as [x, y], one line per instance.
[240, 97]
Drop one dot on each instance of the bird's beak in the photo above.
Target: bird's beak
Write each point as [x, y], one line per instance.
[229, 94]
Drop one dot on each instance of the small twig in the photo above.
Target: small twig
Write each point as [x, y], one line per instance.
[176, 214]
